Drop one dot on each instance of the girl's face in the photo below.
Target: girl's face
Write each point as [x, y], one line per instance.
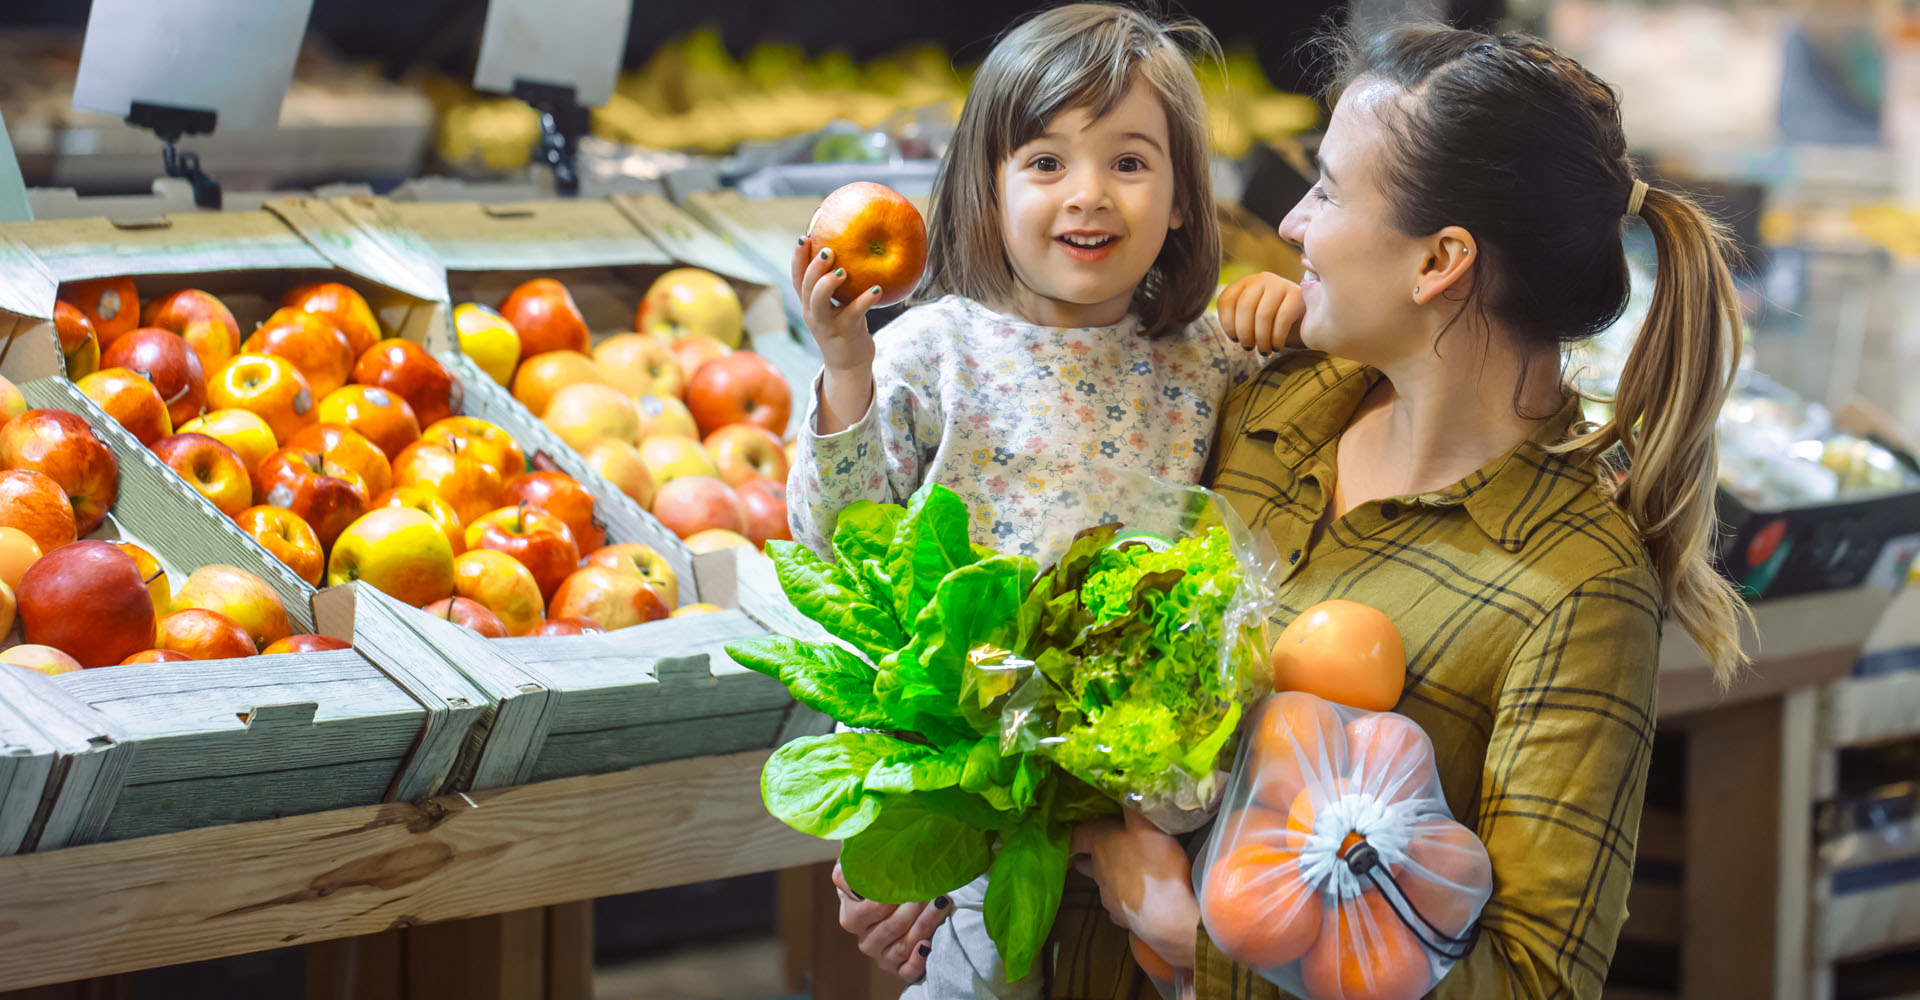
[1085, 209]
[1360, 270]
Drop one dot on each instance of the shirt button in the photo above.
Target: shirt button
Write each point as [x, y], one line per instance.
[1389, 510]
[1294, 557]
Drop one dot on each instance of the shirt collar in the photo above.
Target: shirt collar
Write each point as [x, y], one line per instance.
[1306, 405]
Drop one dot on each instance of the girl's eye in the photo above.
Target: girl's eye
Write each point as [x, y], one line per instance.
[1045, 164]
[1130, 164]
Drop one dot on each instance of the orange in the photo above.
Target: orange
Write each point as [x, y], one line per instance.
[1364, 952]
[111, 304]
[1297, 738]
[1391, 756]
[1344, 652]
[876, 235]
[1150, 961]
[1256, 906]
[1448, 875]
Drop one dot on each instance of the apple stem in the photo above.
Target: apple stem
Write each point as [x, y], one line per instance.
[157, 574]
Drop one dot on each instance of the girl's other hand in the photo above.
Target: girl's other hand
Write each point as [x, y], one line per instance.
[1263, 312]
[1145, 880]
[841, 332]
[897, 938]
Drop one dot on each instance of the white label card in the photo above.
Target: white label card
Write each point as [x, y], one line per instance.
[564, 43]
[232, 57]
[13, 188]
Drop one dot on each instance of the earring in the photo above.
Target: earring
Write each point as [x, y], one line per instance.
[1416, 289]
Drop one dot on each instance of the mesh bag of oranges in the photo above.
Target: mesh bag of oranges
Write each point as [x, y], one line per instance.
[1335, 869]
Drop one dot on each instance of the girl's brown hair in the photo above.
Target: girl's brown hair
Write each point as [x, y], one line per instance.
[1083, 55]
[1523, 147]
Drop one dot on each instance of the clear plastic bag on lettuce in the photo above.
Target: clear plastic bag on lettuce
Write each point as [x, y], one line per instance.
[1142, 644]
[1335, 870]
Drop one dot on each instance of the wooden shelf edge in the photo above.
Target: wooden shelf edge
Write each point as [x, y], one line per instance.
[209, 893]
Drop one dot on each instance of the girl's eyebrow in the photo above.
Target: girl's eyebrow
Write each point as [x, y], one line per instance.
[1149, 140]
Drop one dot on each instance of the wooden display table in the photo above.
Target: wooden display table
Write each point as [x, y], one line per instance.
[117, 907]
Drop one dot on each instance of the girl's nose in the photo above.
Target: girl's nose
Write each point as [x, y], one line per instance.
[1086, 191]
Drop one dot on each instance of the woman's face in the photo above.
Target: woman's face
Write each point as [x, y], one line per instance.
[1361, 271]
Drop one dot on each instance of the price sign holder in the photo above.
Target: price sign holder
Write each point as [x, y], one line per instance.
[181, 68]
[560, 56]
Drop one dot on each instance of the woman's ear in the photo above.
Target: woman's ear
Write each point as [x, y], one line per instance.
[1450, 256]
[1174, 220]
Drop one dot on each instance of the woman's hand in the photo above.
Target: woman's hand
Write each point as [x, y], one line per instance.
[1263, 312]
[846, 385]
[1145, 880]
[895, 937]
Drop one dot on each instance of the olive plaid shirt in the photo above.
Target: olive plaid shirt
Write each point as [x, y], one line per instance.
[1532, 622]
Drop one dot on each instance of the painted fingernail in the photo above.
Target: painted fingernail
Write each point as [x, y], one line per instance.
[839, 272]
[875, 290]
[856, 895]
[802, 241]
[824, 253]
[924, 950]
[942, 903]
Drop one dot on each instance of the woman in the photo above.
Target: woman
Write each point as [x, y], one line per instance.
[1466, 226]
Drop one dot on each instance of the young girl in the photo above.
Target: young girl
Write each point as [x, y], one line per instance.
[1072, 250]
[1072, 254]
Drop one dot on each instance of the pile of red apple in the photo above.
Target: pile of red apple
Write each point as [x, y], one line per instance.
[673, 413]
[379, 480]
[88, 603]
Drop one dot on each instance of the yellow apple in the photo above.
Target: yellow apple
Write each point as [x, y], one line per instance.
[670, 457]
[8, 608]
[242, 430]
[586, 412]
[715, 539]
[487, 338]
[642, 561]
[398, 550]
[693, 302]
[639, 364]
[502, 585]
[695, 609]
[664, 416]
[620, 462]
[239, 595]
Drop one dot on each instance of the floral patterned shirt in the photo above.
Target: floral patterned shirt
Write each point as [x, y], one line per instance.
[1027, 423]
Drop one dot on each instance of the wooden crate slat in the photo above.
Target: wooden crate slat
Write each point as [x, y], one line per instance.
[636, 746]
[249, 887]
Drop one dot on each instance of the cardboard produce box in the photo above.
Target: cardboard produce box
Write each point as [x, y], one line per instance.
[155, 748]
[652, 692]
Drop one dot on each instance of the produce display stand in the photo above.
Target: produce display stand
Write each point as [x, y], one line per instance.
[111, 908]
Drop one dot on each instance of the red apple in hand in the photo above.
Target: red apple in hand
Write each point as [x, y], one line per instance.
[405, 369]
[468, 614]
[561, 626]
[204, 322]
[169, 363]
[766, 505]
[309, 340]
[611, 599]
[692, 504]
[131, 401]
[561, 495]
[87, 600]
[204, 635]
[538, 540]
[744, 452]
[211, 468]
[324, 493]
[34, 503]
[739, 388]
[61, 446]
[876, 234]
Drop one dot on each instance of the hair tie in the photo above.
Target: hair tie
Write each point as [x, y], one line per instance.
[1637, 198]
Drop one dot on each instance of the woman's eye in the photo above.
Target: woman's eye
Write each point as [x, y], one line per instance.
[1129, 164]
[1318, 193]
[1045, 164]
